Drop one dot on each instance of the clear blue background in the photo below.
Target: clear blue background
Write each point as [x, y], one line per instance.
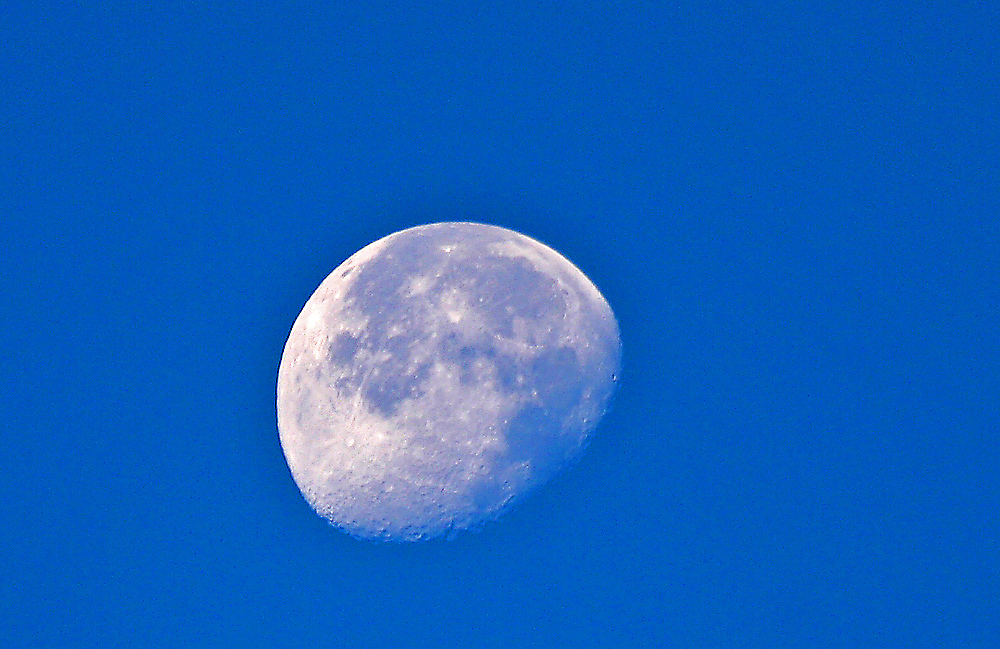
[792, 208]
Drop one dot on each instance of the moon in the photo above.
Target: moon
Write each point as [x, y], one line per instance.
[440, 374]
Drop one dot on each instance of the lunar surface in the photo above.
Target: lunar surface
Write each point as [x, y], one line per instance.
[438, 375]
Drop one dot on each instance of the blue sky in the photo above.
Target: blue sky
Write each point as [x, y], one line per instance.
[791, 207]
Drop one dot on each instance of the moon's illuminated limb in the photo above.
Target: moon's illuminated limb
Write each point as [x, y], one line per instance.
[440, 373]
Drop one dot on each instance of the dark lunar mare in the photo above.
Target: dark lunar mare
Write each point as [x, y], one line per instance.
[506, 288]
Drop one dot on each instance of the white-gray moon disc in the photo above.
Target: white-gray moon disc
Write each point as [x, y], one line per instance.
[438, 375]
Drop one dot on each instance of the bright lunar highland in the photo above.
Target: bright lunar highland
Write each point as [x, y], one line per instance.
[438, 375]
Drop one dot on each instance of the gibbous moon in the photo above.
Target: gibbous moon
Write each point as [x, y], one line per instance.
[438, 375]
